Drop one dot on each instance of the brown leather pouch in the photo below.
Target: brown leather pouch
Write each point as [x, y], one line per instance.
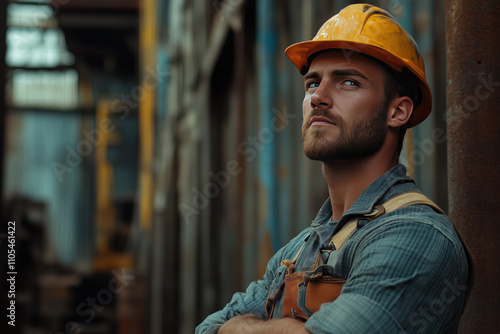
[306, 291]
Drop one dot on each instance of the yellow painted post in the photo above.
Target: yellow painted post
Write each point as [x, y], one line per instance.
[147, 56]
[105, 220]
[105, 211]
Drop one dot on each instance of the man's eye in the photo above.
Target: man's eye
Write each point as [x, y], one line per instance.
[313, 84]
[349, 82]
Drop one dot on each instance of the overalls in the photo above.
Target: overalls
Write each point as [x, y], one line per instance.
[304, 291]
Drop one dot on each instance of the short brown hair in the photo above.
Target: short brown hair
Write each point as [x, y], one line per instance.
[401, 84]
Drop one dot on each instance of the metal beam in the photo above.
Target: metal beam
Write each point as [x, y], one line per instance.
[96, 4]
[97, 20]
[473, 83]
[267, 48]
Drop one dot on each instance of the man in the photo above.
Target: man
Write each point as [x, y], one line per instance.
[401, 268]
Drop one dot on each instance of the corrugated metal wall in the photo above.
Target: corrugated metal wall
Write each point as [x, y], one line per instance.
[232, 184]
[51, 133]
[33, 145]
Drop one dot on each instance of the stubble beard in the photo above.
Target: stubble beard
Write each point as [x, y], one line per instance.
[362, 140]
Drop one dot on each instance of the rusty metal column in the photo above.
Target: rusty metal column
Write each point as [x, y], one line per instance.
[473, 120]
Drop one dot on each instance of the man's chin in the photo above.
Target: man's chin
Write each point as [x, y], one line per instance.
[317, 153]
[316, 158]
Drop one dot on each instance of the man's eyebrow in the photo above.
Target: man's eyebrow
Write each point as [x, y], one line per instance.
[349, 71]
[342, 72]
[309, 75]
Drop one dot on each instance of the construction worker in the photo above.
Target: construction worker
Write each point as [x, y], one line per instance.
[380, 257]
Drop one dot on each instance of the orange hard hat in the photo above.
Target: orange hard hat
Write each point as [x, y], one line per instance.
[372, 31]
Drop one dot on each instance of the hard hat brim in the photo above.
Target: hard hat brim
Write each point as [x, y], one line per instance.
[300, 54]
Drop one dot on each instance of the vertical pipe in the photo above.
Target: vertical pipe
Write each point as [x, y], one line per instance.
[238, 212]
[439, 106]
[284, 138]
[147, 55]
[473, 85]
[267, 46]
[424, 148]
[401, 10]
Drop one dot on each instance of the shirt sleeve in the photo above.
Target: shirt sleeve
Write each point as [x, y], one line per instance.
[253, 300]
[402, 277]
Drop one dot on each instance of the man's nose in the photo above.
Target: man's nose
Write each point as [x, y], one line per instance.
[321, 99]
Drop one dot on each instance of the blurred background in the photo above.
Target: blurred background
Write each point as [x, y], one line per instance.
[151, 152]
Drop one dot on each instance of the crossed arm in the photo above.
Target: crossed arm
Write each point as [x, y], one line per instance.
[251, 324]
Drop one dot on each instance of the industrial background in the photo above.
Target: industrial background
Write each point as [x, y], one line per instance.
[152, 162]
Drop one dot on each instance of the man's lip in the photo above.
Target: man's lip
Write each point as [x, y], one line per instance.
[320, 120]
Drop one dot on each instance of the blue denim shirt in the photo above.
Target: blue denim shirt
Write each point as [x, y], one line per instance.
[406, 271]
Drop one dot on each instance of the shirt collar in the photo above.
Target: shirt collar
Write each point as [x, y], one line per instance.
[379, 191]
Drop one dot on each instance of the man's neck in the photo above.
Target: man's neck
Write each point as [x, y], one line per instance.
[347, 179]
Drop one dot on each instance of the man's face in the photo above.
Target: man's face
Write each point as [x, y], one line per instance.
[344, 108]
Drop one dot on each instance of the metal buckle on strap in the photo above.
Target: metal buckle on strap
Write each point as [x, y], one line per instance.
[377, 211]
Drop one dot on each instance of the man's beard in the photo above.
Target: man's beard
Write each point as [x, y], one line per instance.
[361, 140]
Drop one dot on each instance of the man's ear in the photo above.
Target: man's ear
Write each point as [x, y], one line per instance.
[400, 111]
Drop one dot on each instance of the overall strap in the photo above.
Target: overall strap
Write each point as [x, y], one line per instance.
[400, 201]
[397, 202]
[290, 265]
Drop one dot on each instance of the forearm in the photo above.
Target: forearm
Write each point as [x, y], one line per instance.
[251, 324]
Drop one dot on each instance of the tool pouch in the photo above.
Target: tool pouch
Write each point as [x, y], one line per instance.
[306, 291]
